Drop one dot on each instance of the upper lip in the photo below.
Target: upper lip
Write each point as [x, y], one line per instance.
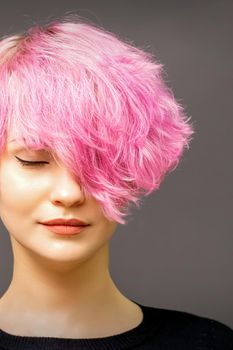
[67, 222]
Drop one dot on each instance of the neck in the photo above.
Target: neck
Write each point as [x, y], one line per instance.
[60, 299]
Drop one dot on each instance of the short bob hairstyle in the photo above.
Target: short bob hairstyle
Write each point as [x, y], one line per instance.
[98, 103]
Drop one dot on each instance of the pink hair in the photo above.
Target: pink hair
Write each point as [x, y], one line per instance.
[99, 103]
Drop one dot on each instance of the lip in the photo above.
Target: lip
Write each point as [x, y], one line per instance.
[65, 222]
[65, 229]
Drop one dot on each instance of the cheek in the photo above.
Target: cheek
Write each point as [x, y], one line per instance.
[18, 190]
[107, 229]
[17, 184]
[19, 197]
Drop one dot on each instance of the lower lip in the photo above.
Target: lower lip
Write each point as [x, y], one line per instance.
[65, 229]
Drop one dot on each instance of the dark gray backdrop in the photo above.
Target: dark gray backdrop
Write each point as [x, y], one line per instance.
[176, 251]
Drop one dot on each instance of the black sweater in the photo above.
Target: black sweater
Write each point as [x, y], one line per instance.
[160, 329]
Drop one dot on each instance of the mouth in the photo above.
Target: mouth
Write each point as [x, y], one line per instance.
[65, 222]
[65, 229]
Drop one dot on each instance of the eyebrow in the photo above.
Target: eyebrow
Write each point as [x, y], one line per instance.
[21, 147]
[14, 142]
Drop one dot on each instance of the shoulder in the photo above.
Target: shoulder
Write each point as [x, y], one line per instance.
[190, 330]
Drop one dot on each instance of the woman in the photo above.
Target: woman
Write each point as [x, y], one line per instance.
[88, 127]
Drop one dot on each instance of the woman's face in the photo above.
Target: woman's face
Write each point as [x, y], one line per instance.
[36, 193]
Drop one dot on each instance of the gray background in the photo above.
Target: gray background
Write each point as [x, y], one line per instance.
[176, 251]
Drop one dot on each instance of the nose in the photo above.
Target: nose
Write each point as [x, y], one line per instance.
[65, 189]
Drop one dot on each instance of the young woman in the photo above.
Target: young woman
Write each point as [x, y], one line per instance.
[87, 128]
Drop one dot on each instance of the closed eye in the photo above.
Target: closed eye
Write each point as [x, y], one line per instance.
[30, 163]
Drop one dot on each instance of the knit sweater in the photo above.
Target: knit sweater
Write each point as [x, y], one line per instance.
[160, 329]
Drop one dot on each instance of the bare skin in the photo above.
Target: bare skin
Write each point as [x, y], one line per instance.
[61, 286]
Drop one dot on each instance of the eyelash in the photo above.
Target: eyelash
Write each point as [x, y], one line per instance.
[30, 163]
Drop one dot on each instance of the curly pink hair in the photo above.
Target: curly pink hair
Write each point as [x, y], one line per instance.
[99, 103]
